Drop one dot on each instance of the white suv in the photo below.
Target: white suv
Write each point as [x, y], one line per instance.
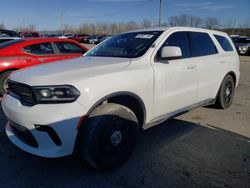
[97, 104]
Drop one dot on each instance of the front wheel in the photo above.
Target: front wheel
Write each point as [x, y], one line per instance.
[109, 136]
[226, 93]
[3, 82]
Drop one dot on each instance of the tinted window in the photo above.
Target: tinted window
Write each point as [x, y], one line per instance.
[5, 40]
[126, 45]
[9, 43]
[201, 44]
[179, 39]
[68, 48]
[8, 33]
[241, 40]
[225, 44]
[39, 49]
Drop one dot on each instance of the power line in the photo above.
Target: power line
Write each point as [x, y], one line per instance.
[116, 12]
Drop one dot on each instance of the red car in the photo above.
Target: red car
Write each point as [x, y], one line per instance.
[81, 37]
[20, 53]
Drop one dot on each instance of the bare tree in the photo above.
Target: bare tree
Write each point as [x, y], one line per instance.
[113, 29]
[30, 28]
[211, 23]
[174, 21]
[146, 23]
[195, 21]
[2, 26]
[245, 24]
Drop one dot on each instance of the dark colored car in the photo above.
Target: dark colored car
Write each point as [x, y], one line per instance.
[94, 39]
[21, 53]
[242, 44]
[29, 34]
[105, 37]
[7, 35]
[81, 37]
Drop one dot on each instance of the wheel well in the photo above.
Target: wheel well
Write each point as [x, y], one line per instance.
[133, 103]
[234, 76]
[7, 70]
[130, 100]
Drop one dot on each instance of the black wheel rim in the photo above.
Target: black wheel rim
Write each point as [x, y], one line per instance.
[228, 92]
[115, 137]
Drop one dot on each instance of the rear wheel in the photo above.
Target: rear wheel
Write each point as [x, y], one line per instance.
[3, 82]
[109, 136]
[226, 93]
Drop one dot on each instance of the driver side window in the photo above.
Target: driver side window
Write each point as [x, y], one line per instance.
[178, 39]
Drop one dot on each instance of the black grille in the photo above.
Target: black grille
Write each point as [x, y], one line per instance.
[21, 91]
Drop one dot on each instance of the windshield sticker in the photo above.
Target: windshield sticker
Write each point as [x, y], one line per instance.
[144, 36]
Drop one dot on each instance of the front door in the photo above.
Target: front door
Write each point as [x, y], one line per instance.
[175, 80]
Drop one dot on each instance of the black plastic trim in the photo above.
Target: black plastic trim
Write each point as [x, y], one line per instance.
[23, 134]
[51, 132]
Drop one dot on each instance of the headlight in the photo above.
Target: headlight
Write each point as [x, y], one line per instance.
[55, 94]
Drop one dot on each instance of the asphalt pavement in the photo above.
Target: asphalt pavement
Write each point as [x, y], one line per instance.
[203, 148]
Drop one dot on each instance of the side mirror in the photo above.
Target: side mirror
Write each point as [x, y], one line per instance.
[170, 52]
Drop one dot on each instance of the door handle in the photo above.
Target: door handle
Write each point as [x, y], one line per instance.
[191, 66]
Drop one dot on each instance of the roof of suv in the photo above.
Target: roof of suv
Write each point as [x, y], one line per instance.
[176, 28]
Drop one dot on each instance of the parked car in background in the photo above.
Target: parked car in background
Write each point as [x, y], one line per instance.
[28, 34]
[7, 35]
[68, 36]
[105, 37]
[20, 53]
[81, 37]
[96, 105]
[245, 49]
[93, 39]
[242, 41]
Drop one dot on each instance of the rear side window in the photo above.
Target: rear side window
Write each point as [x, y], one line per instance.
[68, 48]
[179, 39]
[39, 49]
[225, 44]
[201, 44]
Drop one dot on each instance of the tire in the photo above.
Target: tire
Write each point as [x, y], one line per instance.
[3, 81]
[108, 136]
[226, 93]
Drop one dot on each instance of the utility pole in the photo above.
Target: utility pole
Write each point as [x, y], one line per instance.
[160, 13]
[61, 17]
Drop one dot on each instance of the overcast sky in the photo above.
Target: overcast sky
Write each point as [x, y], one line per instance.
[45, 14]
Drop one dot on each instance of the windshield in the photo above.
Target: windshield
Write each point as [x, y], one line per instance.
[6, 33]
[126, 45]
[9, 43]
[241, 40]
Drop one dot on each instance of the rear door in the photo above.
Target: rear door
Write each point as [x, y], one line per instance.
[205, 54]
[69, 50]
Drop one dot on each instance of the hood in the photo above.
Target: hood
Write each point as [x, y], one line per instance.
[68, 71]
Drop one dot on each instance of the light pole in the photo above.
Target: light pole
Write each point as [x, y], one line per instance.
[160, 13]
[61, 20]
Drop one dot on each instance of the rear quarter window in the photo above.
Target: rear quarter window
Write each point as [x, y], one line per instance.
[201, 44]
[39, 49]
[68, 48]
[224, 43]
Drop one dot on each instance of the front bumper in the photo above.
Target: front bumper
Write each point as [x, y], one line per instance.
[62, 119]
